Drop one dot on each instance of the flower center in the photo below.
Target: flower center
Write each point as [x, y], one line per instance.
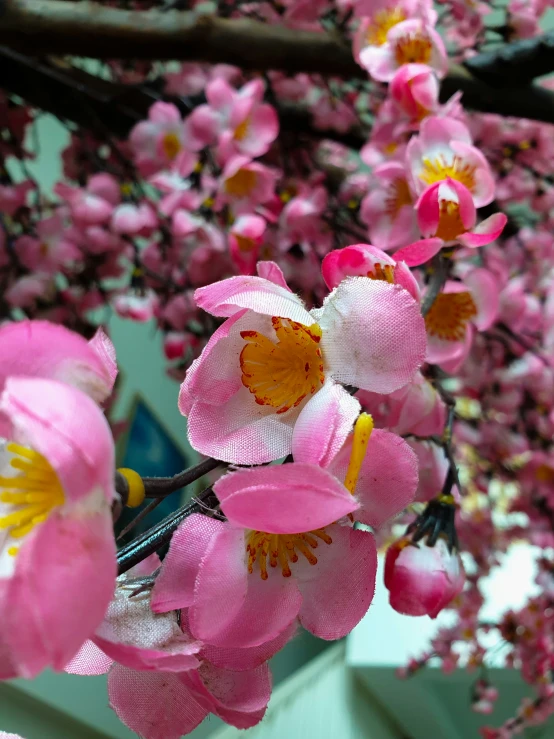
[438, 169]
[544, 473]
[383, 272]
[171, 145]
[282, 374]
[280, 549]
[245, 244]
[33, 494]
[449, 314]
[450, 222]
[381, 23]
[241, 183]
[398, 196]
[242, 129]
[413, 48]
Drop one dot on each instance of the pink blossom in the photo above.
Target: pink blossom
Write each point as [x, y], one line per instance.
[238, 120]
[245, 184]
[415, 89]
[422, 579]
[134, 220]
[138, 306]
[13, 197]
[446, 216]
[95, 203]
[245, 238]
[460, 307]
[409, 42]
[364, 260]
[50, 251]
[238, 407]
[57, 533]
[157, 141]
[443, 150]
[388, 210]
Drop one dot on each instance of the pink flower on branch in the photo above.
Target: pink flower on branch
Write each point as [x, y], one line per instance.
[56, 490]
[273, 360]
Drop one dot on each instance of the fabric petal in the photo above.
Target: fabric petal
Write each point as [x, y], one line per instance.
[156, 705]
[419, 252]
[272, 272]
[237, 659]
[283, 499]
[174, 586]
[373, 335]
[226, 297]
[388, 478]
[324, 424]
[337, 594]
[89, 660]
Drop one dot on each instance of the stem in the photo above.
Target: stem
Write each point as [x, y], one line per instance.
[159, 487]
[436, 284]
[152, 540]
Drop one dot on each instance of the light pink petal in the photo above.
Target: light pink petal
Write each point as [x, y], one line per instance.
[174, 586]
[241, 431]
[156, 705]
[234, 658]
[388, 478]
[221, 584]
[486, 295]
[484, 187]
[324, 424]
[89, 660]
[65, 426]
[441, 350]
[272, 272]
[419, 252]
[428, 210]
[340, 588]
[46, 623]
[283, 499]
[227, 297]
[466, 205]
[104, 348]
[210, 378]
[352, 261]
[269, 609]
[373, 335]
[487, 231]
[42, 349]
[405, 279]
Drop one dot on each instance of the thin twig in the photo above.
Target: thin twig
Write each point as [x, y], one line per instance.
[436, 284]
[162, 486]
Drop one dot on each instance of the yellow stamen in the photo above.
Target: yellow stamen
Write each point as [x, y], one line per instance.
[33, 494]
[544, 473]
[381, 23]
[281, 549]
[12, 551]
[242, 129]
[282, 374]
[135, 485]
[244, 244]
[438, 169]
[242, 183]
[171, 145]
[397, 197]
[362, 431]
[448, 316]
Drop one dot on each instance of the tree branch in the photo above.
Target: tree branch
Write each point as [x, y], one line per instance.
[88, 29]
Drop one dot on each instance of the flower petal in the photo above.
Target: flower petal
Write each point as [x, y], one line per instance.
[373, 335]
[283, 499]
[419, 252]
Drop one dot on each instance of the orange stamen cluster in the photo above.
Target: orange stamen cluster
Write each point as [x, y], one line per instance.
[241, 184]
[281, 374]
[171, 145]
[438, 169]
[281, 549]
[413, 48]
[449, 315]
[383, 272]
[450, 222]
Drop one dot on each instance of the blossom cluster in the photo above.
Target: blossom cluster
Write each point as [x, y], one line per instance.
[363, 339]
